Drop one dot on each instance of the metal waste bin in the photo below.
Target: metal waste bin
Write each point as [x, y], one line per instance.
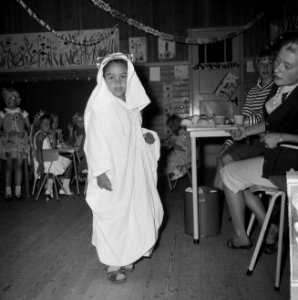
[209, 211]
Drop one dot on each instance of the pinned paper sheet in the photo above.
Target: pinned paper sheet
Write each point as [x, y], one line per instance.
[250, 66]
[154, 74]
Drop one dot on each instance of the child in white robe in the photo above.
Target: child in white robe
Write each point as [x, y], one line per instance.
[122, 165]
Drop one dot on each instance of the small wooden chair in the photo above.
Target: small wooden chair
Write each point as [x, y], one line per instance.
[274, 194]
[173, 183]
[49, 155]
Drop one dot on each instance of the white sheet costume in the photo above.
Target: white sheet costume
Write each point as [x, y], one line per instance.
[126, 220]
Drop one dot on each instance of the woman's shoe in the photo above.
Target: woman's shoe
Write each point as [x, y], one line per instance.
[272, 239]
[231, 245]
[270, 248]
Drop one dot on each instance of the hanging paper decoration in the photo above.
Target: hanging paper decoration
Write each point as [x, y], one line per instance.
[215, 66]
[68, 39]
[165, 36]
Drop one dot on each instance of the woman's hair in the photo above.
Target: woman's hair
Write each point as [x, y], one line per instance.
[290, 41]
[118, 61]
[174, 123]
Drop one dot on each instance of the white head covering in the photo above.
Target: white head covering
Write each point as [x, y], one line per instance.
[136, 96]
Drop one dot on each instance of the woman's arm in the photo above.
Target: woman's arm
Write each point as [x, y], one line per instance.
[271, 140]
[242, 132]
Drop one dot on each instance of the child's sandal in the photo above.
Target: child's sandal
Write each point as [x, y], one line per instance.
[128, 268]
[117, 276]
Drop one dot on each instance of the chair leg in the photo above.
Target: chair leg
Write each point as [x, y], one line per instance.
[42, 185]
[250, 224]
[55, 186]
[261, 235]
[170, 183]
[189, 176]
[34, 185]
[86, 184]
[280, 240]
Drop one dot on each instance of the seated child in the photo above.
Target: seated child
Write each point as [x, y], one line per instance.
[77, 131]
[179, 159]
[56, 132]
[76, 139]
[62, 166]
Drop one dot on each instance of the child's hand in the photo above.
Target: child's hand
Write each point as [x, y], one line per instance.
[70, 128]
[21, 134]
[237, 134]
[104, 182]
[149, 138]
[12, 133]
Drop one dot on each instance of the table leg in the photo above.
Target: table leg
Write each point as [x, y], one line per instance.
[76, 172]
[196, 231]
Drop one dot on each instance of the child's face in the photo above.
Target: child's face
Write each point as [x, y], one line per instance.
[116, 79]
[45, 125]
[80, 122]
[265, 68]
[55, 123]
[11, 100]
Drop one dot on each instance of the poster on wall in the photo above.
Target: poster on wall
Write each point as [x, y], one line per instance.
[227, 86]
[138, 47]
[44, 51]
[166, 49]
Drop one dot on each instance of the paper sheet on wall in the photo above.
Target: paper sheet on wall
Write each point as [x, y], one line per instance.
[154, 74]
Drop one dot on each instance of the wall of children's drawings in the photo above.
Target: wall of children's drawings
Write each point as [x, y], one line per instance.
[168, 87]
[44, 50]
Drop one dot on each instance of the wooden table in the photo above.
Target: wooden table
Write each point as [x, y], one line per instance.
[195, 132]
[72, 151]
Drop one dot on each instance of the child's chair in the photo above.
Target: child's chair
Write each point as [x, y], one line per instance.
[49, 155]
[274, 194]
[173, 183]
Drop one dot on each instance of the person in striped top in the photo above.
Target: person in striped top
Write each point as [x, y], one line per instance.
[253, 113]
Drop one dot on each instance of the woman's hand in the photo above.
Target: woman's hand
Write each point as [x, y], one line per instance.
[271, 140]
[149, 138]
[237, 134]
[104, 182]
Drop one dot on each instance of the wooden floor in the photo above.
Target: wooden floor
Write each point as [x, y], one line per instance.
[46, 253]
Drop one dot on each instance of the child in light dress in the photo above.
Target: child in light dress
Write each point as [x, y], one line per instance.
[14, 147]
[179, 158]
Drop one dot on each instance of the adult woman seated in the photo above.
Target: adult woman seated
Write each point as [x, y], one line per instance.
[279, 132]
